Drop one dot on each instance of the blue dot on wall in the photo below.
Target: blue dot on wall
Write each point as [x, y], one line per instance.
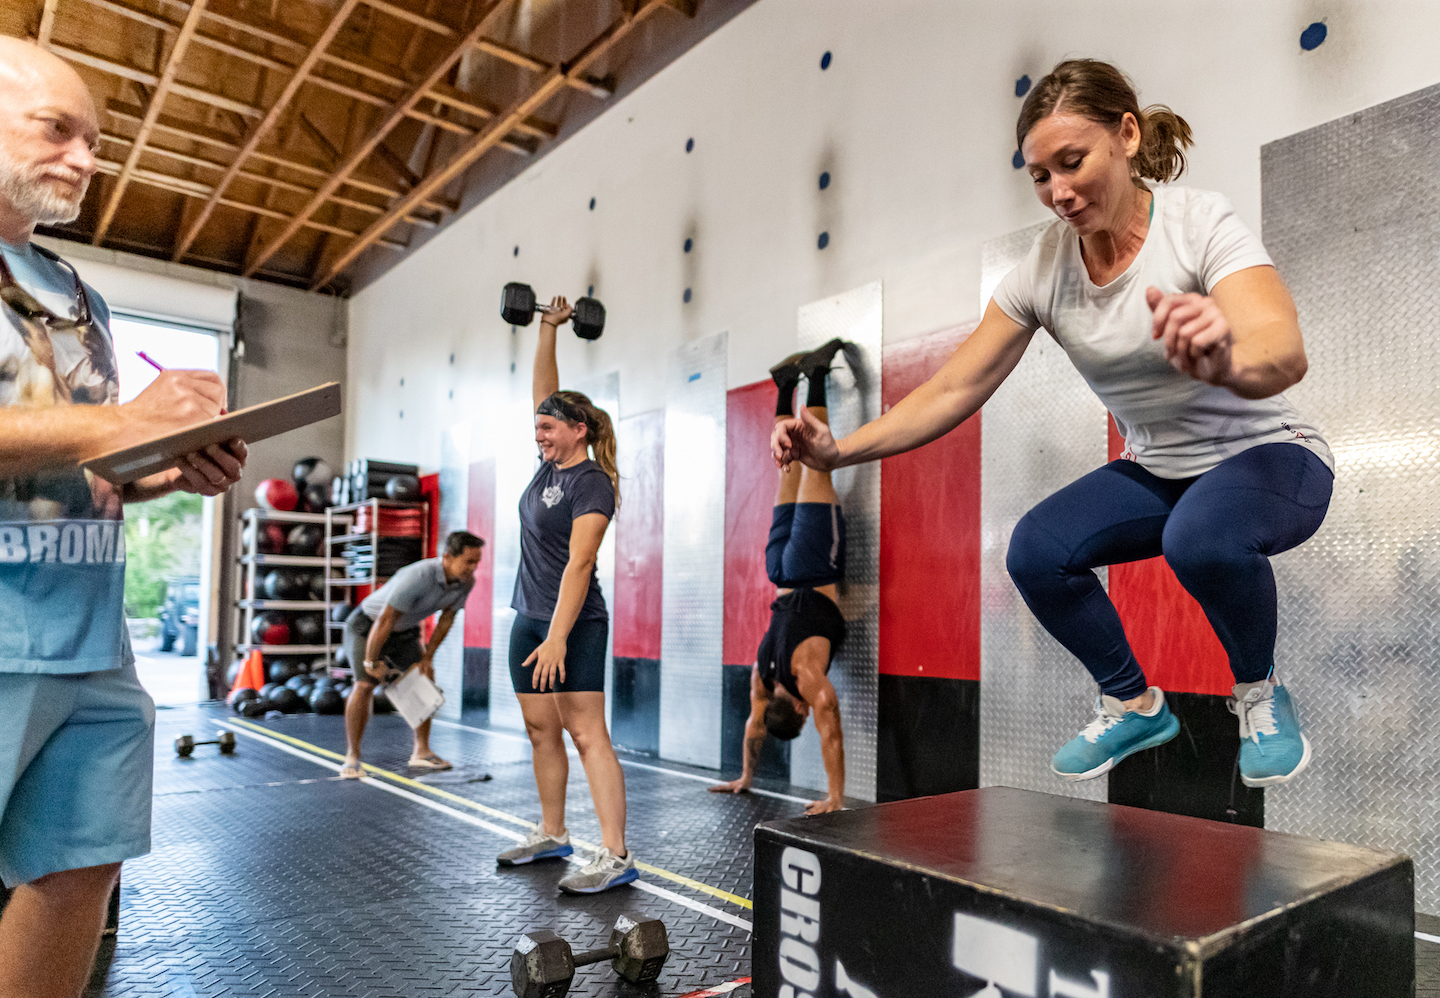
[689, 144]
[687, 296]
[517, 251]
[1314, 36]
[824, 240]
[689, 245]
[592, 204]
[824, 180]
[590, 291]
[1022, 85]
[1018, 160]
[825, 61]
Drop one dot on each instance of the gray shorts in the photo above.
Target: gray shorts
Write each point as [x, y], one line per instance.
[402, 649]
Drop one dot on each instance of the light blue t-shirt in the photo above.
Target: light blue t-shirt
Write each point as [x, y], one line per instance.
[62, 531]
[416, 591]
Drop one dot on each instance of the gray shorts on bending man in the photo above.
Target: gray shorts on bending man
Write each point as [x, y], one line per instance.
[402, 649]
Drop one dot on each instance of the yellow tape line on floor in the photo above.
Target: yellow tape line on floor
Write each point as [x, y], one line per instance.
[483, 809]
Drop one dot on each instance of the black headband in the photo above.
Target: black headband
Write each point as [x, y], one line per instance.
[557, 405]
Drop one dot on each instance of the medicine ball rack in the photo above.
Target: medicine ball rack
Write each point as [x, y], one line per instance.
[252, 563]
[339, 521]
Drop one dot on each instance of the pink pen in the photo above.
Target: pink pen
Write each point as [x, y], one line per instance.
[148, 359]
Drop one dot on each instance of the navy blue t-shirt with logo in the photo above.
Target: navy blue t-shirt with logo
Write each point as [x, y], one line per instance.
[550, 504]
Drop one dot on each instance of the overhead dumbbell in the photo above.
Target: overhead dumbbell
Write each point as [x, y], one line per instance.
[542, 964]
[518, 307]
[185, 744]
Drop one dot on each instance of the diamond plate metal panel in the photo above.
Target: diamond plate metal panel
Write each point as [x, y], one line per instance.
[513, 437]
[604, 391]
[854, 397]
[454, 500]
[1352, 219]
[1042, 430]
[693, 586]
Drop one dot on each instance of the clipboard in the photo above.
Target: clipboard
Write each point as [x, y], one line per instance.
[257, 422]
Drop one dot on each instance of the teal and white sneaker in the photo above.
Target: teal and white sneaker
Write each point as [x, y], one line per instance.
[537, 845]
[1273, 749]
[1114, 734]
[603, 872]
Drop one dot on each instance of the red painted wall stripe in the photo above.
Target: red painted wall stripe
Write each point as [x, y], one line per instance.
[640, 539]
[480, 521]
[1172, 640]
[430, 492]
[750, 480]
[929, 532]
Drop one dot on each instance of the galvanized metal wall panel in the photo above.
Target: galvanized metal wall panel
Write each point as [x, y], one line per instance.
[1352, 219]
[854, 397]
[692, 635]
[604, 391]
[511, 434]
[454, 515]
[1043, 429]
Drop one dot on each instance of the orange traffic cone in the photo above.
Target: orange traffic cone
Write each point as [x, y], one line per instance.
[252, 674]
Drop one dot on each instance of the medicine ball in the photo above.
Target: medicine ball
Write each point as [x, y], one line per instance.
[317, 585]
[270, 628]
[233, 672]
[253, 708]
[305, 539]
[383, 704]
[237, 697]
[316, 498]
[307, 629]
[295, 682]
[319, 667]
[402, 488]
[271, 538]
[340, 612]
[276, 493]
[326, 701]
[285, 583]
[287, 701]
[281, 670]
[268, 690]
[312, 471]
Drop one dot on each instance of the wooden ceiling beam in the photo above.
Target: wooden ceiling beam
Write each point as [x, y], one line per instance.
[47, 22]
[364, 149]
[272, 117]
[486, 139]
[152, 113]
[150, 79]
[508, 53]
[420, 20]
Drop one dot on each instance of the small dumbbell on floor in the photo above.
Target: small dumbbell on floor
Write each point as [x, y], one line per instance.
[518, 307]
[185, 744]
[542, 964]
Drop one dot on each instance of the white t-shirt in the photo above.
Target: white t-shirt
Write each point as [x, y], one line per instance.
[1174, 426]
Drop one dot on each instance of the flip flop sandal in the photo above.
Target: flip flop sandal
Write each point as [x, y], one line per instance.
[352, 772]
[431, 762]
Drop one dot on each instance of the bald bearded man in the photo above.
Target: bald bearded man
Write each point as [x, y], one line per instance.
[76, 728]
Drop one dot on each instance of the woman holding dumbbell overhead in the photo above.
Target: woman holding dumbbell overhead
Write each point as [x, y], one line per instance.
[1173, 312]
[557, 644]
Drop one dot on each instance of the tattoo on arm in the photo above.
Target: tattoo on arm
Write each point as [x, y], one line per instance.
[753, 745]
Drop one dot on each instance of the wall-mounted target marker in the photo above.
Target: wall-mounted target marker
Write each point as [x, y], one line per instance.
[689, 144]
[1313, 36]
[1017, 160]
[825, 61]
[687, 296]
[824, 240]
[825, 180]
[1022, 85]
[592, 204]
[516, 252]
[689, 245]
[590, 291]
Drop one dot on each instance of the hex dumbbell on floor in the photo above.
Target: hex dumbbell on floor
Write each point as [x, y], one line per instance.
[185, 744]
[518, 307]
[542, 964]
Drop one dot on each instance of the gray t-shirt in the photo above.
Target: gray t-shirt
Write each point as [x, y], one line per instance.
[1174, 426]
[555, 498]
[416, 591]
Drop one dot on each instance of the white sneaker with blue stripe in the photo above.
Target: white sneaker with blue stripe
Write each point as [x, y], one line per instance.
[537, 845]
[603, 872]
[1273, 749]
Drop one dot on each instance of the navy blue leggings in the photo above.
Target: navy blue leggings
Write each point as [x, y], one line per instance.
[1216, 531]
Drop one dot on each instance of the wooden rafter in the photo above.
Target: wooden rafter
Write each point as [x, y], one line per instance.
[149, 79]
[281, 105]
[152, 114]
[397, 114]
[486, 139]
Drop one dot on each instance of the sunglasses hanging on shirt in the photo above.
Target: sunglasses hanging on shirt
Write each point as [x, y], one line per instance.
[28, 306]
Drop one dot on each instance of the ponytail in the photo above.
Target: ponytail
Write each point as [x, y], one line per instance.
[599, 435]
[1100, 92]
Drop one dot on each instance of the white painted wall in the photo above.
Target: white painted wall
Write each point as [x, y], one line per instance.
[915, 122]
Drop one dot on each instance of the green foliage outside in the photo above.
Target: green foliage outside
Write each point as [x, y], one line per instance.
[162, 540]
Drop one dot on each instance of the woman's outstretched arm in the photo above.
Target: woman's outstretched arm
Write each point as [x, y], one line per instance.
[546, 378]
